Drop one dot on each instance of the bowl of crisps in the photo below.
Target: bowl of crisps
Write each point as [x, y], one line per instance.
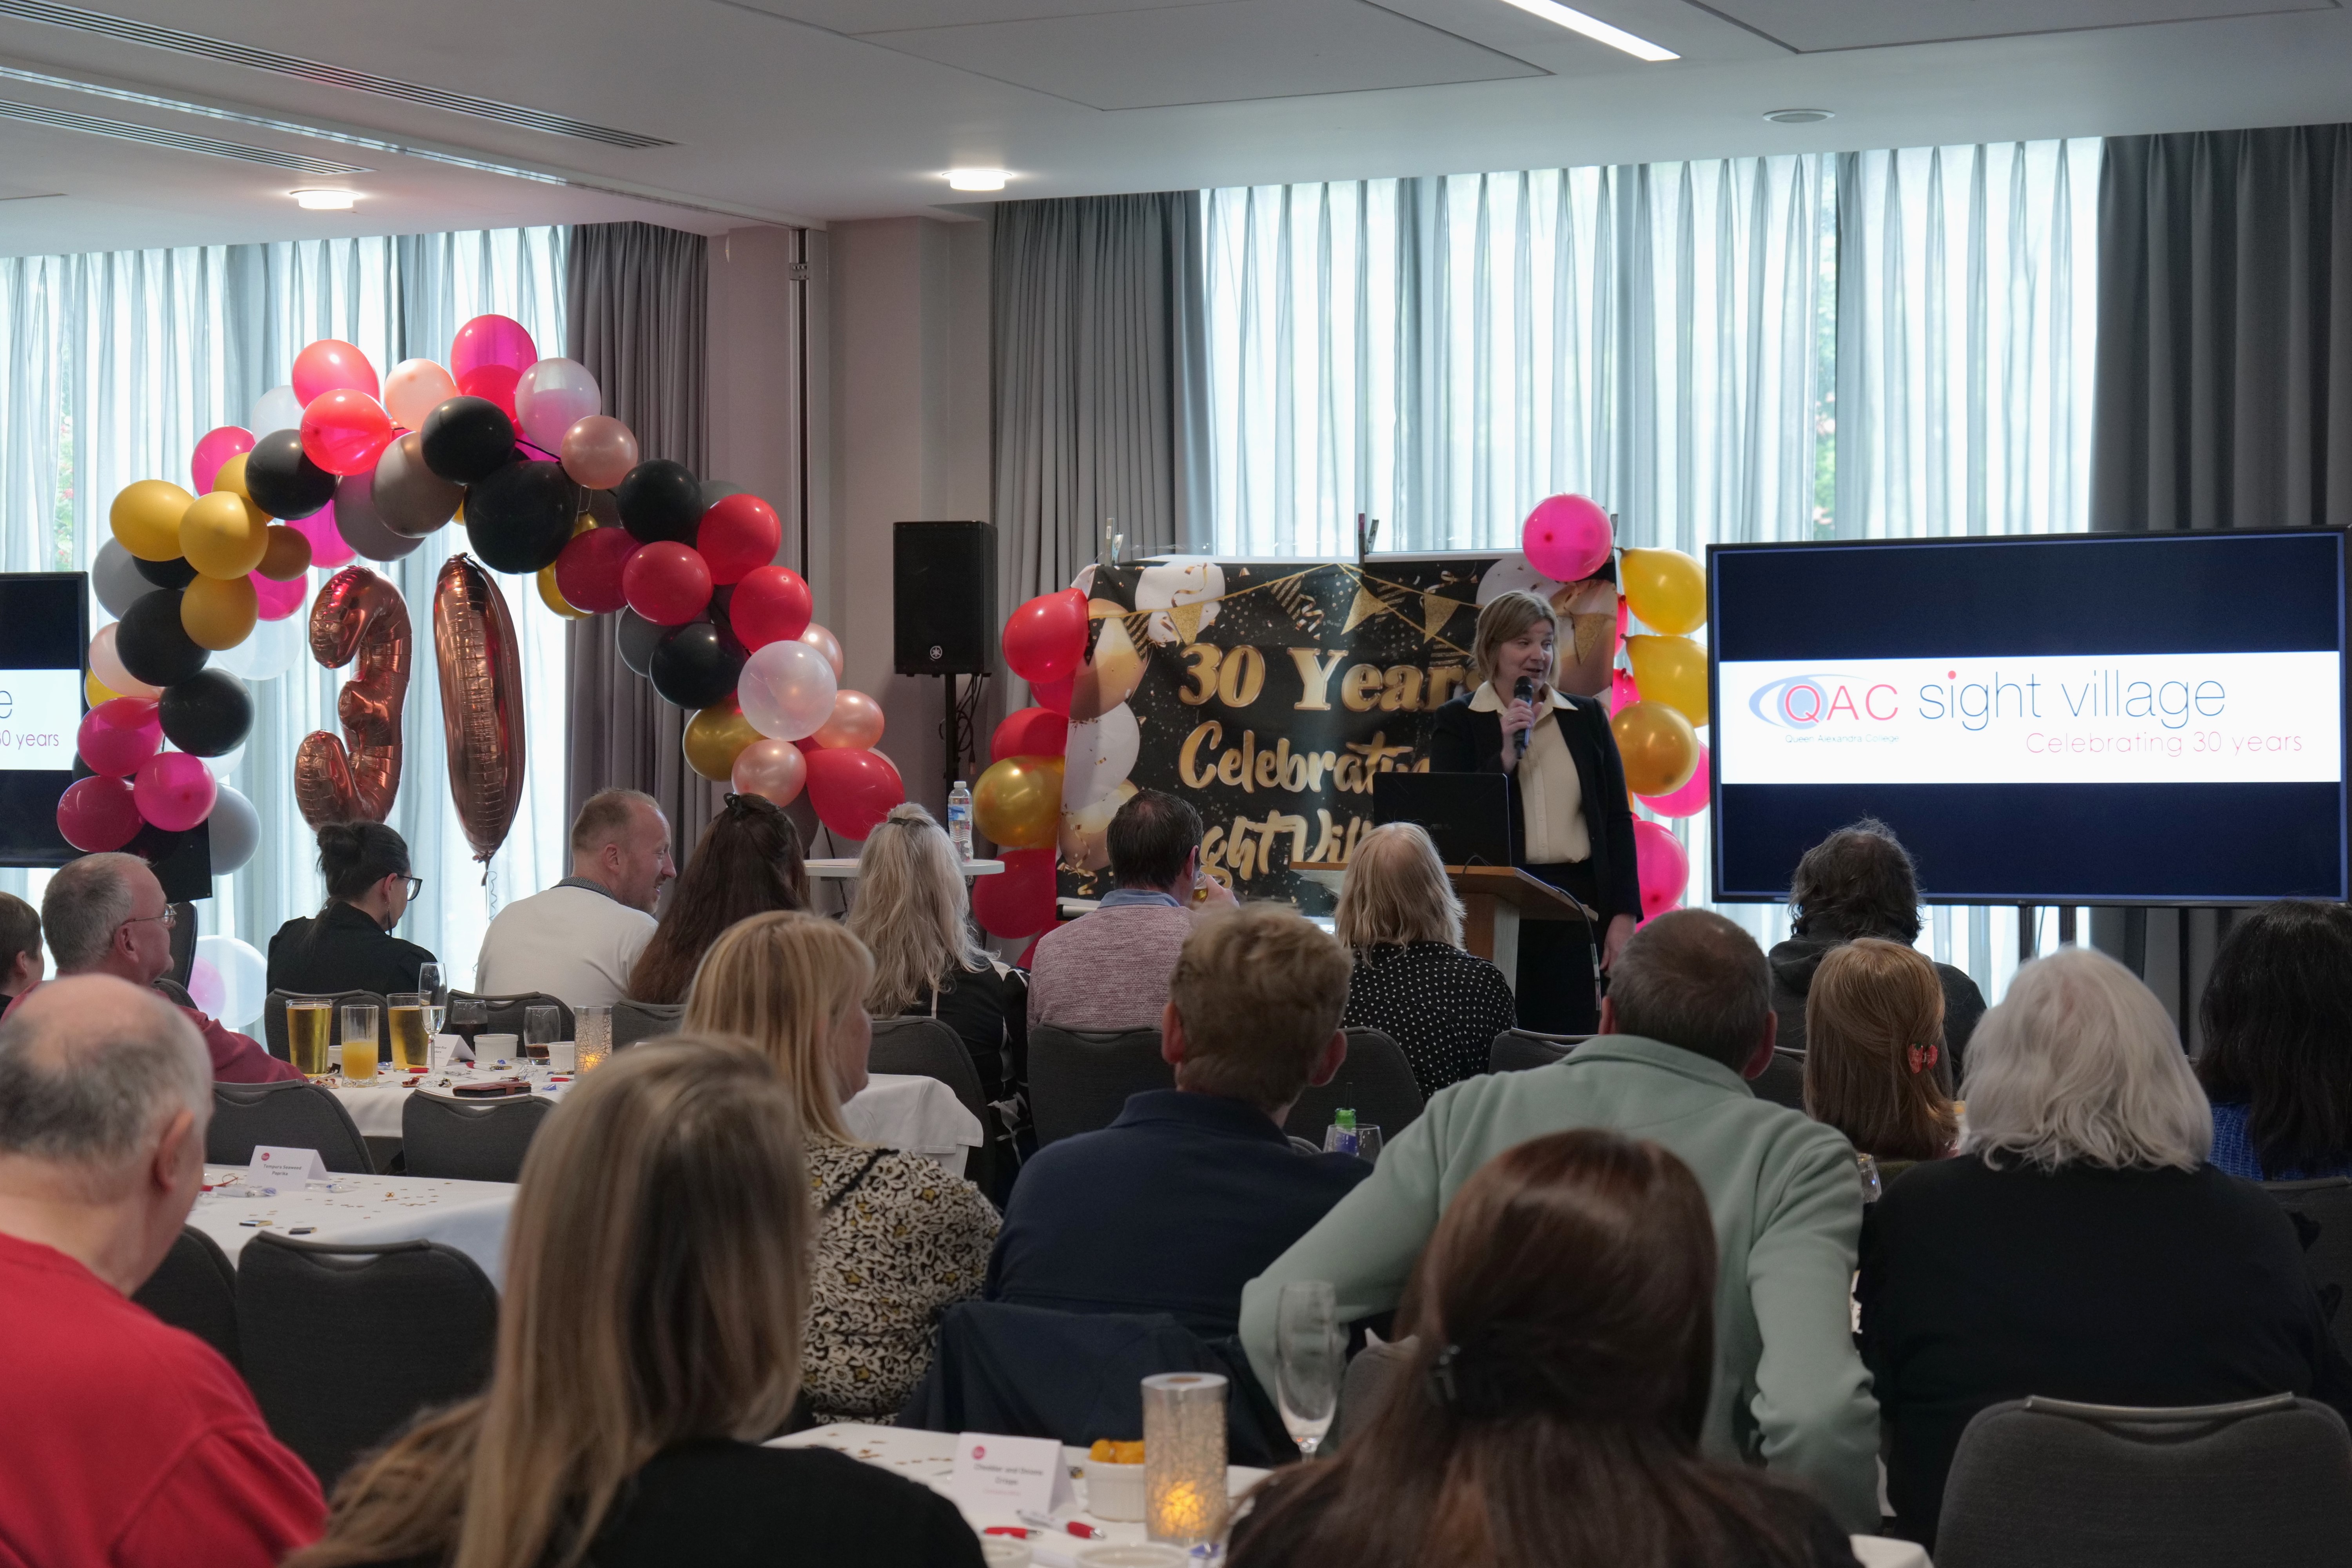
[1115, 1479]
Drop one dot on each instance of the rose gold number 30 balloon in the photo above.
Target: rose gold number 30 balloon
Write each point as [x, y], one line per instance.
[481, 702]
[357, 614]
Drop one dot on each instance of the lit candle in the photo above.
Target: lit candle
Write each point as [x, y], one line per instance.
[1185, 1501]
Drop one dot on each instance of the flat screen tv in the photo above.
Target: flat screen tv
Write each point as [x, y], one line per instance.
[2084, 719]
[43, 638]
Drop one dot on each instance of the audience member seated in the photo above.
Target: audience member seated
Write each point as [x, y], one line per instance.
[914, 915]
[2277, 1012]
[1859, 881]
[898, 1241]
[748, 862]
[349, 945]
[135, 1444]
[1875, 1020]
[1109, 968]
[1688, 1017]
[1412, 981]
[1550, 1415]
[579, 940]
[1176, 1205]
[106, 914]
[2080, 1246]
[649, 1337]
[20, 947]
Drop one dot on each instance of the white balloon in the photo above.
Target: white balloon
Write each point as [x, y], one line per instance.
[269, 651]
[230, 980]
[1100, 755]
[227, 763]
[278, 409]
[553, 395]
[235, 826]
[786, 690]
[1178, 580]
[1512, 572]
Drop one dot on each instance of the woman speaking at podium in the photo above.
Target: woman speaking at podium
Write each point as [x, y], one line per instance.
[1575, 827]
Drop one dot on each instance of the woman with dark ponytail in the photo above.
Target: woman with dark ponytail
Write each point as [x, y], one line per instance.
[349, 945]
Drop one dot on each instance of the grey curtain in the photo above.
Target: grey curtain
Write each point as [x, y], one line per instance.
[1101, 384]
[2224, 384]
[635, 315]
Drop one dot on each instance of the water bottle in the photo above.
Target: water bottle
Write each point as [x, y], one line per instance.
[960, 819]
[1339, 1138]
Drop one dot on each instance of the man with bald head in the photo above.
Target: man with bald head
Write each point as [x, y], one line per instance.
[128, 1442]
[106, 914]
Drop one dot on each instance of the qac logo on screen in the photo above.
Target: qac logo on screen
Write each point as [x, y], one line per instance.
[1808, 701]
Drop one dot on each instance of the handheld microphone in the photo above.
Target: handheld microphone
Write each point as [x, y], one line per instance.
[1525, 693]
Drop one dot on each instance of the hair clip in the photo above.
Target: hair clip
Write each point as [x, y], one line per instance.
[1441, 1376]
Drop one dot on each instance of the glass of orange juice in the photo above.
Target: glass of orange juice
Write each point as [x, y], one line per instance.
[359, 1046]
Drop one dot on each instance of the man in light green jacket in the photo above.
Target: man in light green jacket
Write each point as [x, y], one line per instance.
[1787, 1202]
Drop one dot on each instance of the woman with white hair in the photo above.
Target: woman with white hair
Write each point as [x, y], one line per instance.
[1400, 920]
[2081, 1245]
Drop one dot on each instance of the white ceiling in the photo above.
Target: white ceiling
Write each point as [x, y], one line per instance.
[819, 110]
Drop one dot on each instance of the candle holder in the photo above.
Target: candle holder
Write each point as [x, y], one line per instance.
[1185, 1503]
[592, 1033]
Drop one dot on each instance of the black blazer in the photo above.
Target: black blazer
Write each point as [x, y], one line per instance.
[1465, 741]
[342, 949]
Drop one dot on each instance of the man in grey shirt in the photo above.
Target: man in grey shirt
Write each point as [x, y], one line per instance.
[1110, 969]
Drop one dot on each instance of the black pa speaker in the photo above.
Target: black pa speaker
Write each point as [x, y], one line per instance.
[943, 577]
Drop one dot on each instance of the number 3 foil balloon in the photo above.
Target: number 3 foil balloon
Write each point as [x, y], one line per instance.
[481, 702]
[358, 615]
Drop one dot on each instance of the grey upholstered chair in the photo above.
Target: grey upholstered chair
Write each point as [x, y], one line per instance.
[1079, 1079]
[1376, 1082]
[293, 1114]
[479, 1143]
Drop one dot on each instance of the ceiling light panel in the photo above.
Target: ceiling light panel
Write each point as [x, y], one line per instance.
[123, 130]
[1593, 27]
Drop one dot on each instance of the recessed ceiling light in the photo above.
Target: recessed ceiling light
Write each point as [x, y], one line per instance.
[1596, 29]
[1797, 116]
[323, 201]
[976, 179]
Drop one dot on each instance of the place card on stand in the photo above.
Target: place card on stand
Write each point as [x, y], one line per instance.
[293, 1166]
[1003, 1474]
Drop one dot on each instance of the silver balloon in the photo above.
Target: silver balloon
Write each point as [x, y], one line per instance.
[236, 831]
[410, 500]
[114, 578]
[278, 409]
[363, 527]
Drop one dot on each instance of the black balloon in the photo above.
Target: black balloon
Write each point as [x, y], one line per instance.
[696, 664]
[467, 439]
[153, 646]
[282, 481]
[636, 636]
[174, 573]
[520, 516]
[660, 499]
[206, 714]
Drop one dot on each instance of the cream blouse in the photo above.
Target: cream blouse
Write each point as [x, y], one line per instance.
[1551, 796]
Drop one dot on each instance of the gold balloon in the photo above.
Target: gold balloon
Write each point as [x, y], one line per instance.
[223, 535]
[1017, 803]
[285, 553]
[1672, 671]
[1666, 588]
[146, 517]
[1111, 676]
[230, 477]
[1086, 833]
[552, 596]
[218, 613]
[1659, 747]
[96, 691]
[714, 738]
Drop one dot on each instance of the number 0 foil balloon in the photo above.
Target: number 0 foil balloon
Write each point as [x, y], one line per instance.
[359, 615]
[481, 702]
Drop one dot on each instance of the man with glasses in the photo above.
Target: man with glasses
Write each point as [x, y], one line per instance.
[106, 914]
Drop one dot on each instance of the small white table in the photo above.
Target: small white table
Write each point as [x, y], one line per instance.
[469, 1216]
[845, 869]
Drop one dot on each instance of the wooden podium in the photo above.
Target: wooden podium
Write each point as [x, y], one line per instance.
[1495, 900]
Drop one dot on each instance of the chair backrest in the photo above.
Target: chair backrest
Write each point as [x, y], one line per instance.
[1373, 1373]
[273, 1018]
[635, 1021]
[1516, 1050]
[506, 1013]
[344, 1344]
[1376, 1082]
[1080, 1079]
[2322, 1213]
[294, 1114]
[2042, 1483]
[485, 1143]
[195, 1289]
[926, 1048]
[1782, 1081]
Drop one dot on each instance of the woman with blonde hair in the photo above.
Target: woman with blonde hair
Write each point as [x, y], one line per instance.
[898, 1241]
[1874, 1021]
[1411, 979]
[1573, 826]
[649, 1338]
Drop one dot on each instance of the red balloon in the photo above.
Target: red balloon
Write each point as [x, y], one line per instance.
[772, 604]
[1664, 867]
[1045, 639]
[665, 582]
[117, 736]
[329, 365]
[174, 791]
[853, 791]
[345, 431]
[1030, 732]
[1019, 901]
[1053, 695]
[98, 815]
[496, 383]
[491, 339]
[737, 534]
[590, 571]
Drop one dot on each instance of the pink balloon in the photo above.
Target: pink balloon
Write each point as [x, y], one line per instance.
[217, 446]
[98, 815]
[278, 600]
[174, 791]
[1567, 538]
[552, 396]
[769, 768]
[345, 431]
[856, 725]
[598, 451]
[1664, 869]
[1622, 692]
[415, 388]
[328, 546]
[1687, 801]
[825, 643]
[331, 365]
[488, 340]
[118, 735]
[105, 664]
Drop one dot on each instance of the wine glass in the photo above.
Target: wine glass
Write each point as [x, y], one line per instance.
[467, 1018]
[1310, 1355]
[1368, 1141]
[436, 989]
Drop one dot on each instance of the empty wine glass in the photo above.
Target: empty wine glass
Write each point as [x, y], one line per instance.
[1368, 1141]
[1310, 1353]
[434, 987]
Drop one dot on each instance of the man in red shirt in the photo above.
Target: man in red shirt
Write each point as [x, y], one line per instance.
[106, 914]
[125, 1442]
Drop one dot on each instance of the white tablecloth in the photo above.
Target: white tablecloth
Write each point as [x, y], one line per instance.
[469, 1216]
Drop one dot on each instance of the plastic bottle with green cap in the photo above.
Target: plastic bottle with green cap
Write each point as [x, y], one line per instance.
[1342, 1140]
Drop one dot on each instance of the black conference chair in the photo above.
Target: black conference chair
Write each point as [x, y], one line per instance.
[1375, 1081]
[296, 1114]
[926, 1048]
[505, 1014]
[635, 1021]
[195, 1288]
[273, 1019]
[1782, 1081]
[483, 1142]
[1373, 1373]
[1516, 1050]
[2322, 1213]
[1079, 1079]
[344, 1344]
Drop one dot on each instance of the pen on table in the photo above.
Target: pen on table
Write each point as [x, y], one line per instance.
[1048, 1523]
